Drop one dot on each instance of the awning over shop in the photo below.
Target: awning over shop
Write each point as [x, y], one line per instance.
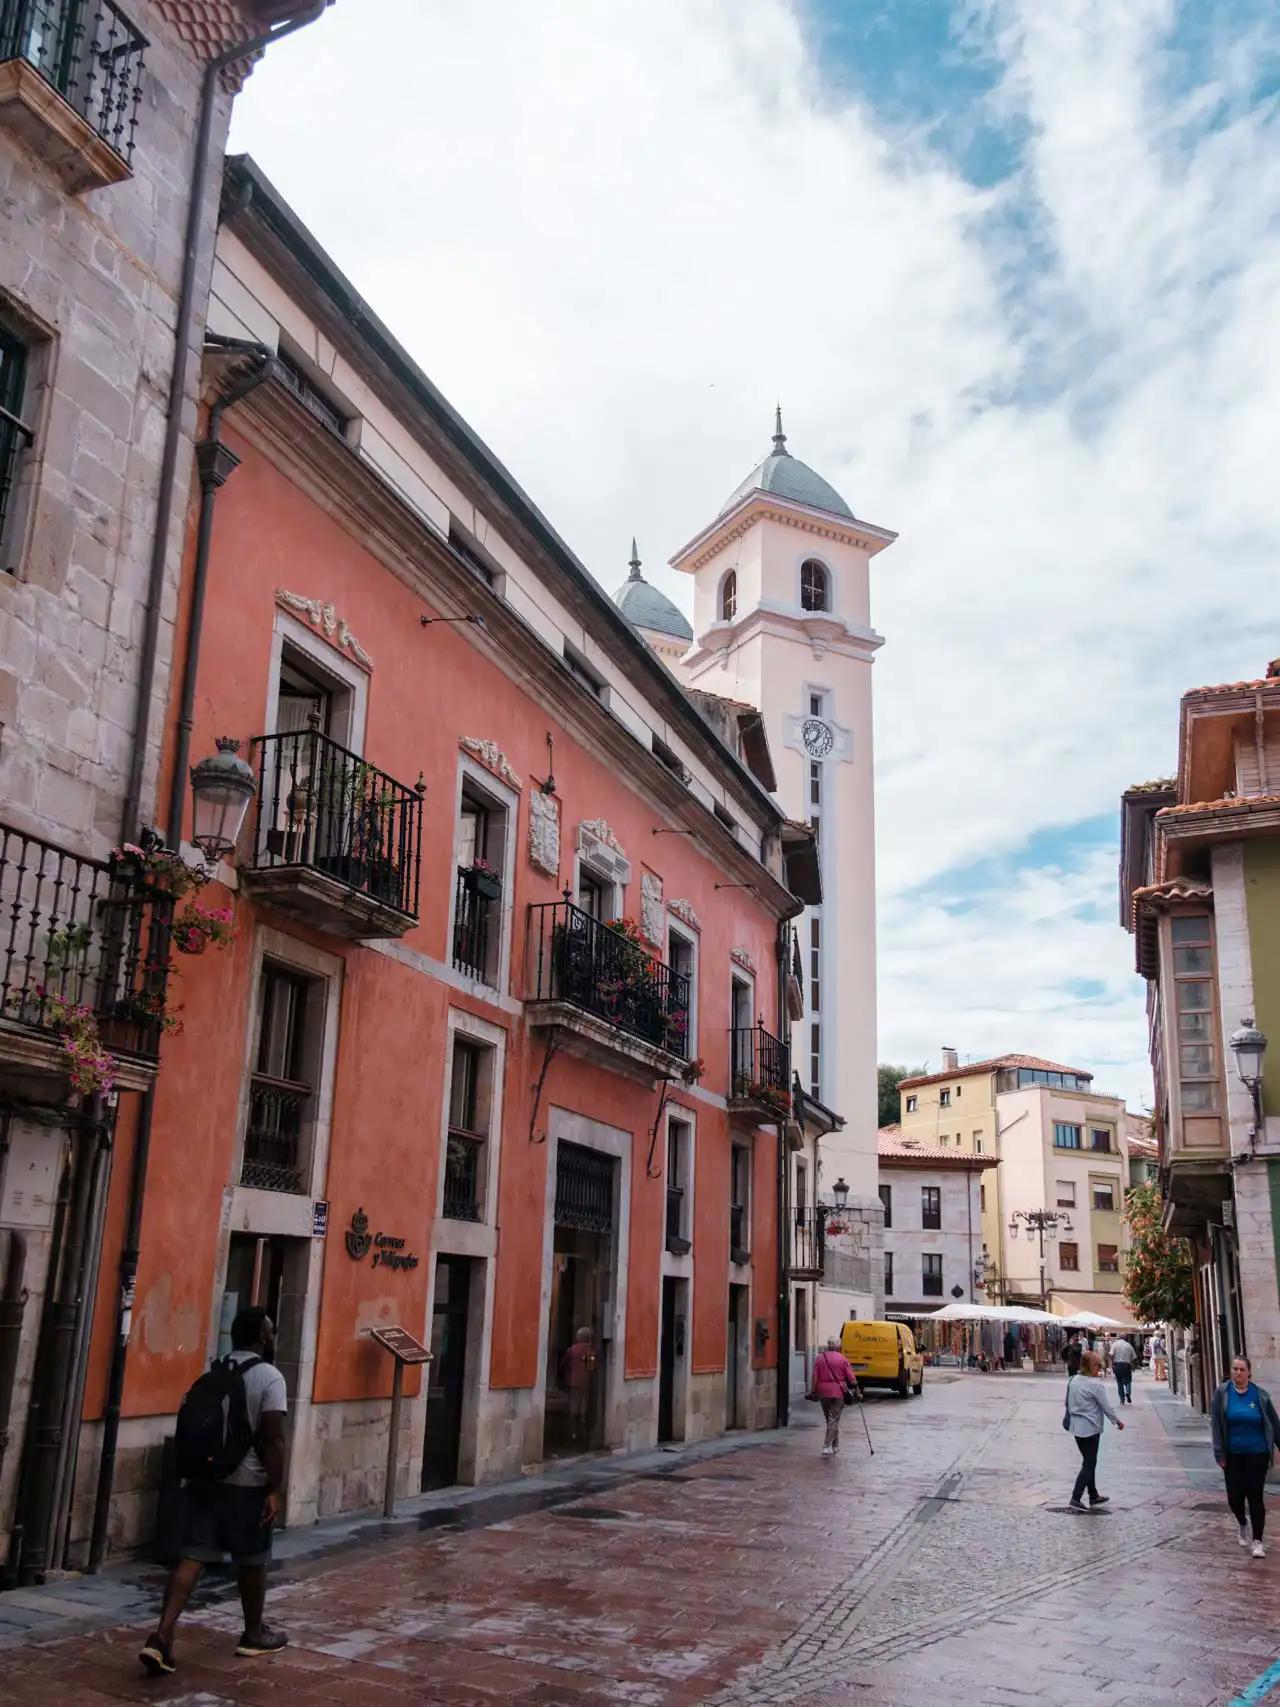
[1111, 1305]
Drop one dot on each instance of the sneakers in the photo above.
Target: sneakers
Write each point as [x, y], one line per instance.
[1075, 1505]
[828, 1452]
[1244, 1534]
[156, 1657]
[1259, 1551]
[1099, 1499]
[267, 1641]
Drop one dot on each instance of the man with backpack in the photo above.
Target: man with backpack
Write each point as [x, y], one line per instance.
[230, 1448]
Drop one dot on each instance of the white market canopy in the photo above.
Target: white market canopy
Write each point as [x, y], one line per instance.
[962, 1312]
[1091, 1319]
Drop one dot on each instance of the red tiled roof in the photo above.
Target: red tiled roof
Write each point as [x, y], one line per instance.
[1232, 803]
[892, 1146]
[966, 1070]
[210, 27]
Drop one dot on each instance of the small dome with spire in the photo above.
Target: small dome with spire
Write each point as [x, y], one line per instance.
[646, 608]
[785, 476]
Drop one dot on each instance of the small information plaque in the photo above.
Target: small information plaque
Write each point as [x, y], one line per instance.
[401, 1344]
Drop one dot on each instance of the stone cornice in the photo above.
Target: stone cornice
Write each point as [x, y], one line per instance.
[344, 486]
[761, 507]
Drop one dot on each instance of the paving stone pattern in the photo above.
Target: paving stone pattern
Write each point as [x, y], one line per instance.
[942, 1571]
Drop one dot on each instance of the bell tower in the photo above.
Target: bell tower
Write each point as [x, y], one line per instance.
[782, 620]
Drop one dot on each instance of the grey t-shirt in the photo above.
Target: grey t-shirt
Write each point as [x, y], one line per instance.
[1123, 1352]
[264, 1392]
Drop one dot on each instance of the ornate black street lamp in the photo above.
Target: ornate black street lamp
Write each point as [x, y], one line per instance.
[1040, 1222]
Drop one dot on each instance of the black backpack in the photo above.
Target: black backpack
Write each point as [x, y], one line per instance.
[213, 1433]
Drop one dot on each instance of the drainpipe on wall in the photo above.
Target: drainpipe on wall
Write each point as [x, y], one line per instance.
[177, 397]
[216, 464]
[783, 1382]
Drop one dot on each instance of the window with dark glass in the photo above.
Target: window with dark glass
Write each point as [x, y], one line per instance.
[888, 1274]
[1197, 1066]
[478, 898]
[1069, 1258]
[1104, 1195]
[739, 1202]
[944, 1098]
[579, 668]
[280, 1086]
[931, 1274]
[931, 1208]
[678, 1165]
[886, 1198]
[469, 1100]
[815, 586]
[729, 596]
[1067, 1135]
[15, 435]
[1108, 1259]
[1099, 1138]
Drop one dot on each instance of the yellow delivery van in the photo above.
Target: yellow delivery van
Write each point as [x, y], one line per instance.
[884, 1354]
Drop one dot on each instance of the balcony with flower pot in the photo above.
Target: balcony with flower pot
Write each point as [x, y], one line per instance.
[760, 1076]
[84, 963]
[335, 841]
[616, 1001]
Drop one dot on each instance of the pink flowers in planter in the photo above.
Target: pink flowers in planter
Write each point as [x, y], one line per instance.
[196, 927]
[91, 1067]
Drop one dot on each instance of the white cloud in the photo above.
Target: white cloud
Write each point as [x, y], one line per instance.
[613, 235]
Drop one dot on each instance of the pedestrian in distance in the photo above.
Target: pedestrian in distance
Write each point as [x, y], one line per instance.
[1246, 1431]
[1075, 1351]
[1123, 1358]
[1159, 1364]
[1088, 1408]
[230, 1446]
[834, 1381]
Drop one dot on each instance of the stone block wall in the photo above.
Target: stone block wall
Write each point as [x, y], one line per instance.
[91, 281]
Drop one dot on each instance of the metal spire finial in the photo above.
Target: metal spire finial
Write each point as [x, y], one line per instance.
[779, 437]
[635, 562]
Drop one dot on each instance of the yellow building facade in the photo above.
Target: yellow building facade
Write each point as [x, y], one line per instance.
[1061, 1147]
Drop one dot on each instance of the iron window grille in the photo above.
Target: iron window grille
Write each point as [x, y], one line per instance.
[310, 394]
[584, 1189]
[279, 1092]
[475, 913]
[89, 52]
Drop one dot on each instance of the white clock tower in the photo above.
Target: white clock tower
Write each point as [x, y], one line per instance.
[782, 620]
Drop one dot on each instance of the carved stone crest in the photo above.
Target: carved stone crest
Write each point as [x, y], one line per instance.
[358, 1237]
[544, 833]
[741, 957]
[325, 620]
[651, 905]
[490, 755]
[600, 830]
[601, 849]
[683, 911]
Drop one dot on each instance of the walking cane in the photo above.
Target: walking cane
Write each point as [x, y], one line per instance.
[862, 1412]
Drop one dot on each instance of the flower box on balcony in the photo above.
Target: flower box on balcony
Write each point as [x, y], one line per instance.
[483, 882]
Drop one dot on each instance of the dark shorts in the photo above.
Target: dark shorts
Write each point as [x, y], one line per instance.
[219, 1519]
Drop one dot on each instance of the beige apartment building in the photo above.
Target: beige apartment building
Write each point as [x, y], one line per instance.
[1062, 1150]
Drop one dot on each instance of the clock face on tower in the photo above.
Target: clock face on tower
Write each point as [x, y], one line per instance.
[818, 737]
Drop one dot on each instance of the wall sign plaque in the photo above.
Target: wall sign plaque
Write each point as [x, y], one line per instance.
[401, 1344]
[388, 1250]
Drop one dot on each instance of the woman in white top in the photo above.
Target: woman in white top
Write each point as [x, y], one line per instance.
[1088, 1406]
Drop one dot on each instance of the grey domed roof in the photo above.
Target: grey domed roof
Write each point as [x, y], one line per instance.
[787, 477]
[645, 607]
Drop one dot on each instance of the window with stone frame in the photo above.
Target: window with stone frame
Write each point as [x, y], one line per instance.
[1191, 940]
[729, 596]
[1069, 1258]
[16, 439]
[815, 586]
[466, 1141]
[1108, 1259]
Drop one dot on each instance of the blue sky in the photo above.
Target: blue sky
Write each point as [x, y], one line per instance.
[1012, 268]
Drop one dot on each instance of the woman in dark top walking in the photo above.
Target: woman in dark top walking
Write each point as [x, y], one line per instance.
[1245, 1432]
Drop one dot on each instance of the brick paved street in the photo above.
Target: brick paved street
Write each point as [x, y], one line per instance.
[941, 1571]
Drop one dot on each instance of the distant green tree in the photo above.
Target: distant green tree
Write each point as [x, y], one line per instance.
[1158, 1277]
[887, 1081]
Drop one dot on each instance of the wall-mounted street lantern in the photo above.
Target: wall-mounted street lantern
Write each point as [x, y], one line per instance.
[840, 1191]
[221, 788]
[1249, 1045]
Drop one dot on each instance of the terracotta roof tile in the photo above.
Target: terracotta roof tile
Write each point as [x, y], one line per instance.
[892, 1146]
[967, 1069]
[1232, 803]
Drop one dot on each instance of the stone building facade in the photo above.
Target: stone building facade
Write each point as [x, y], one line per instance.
[101, 326]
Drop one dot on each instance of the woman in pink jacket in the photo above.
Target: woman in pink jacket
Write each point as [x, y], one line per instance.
[832, 1376]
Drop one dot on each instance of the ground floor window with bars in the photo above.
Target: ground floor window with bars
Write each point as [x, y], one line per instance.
[277, 1141]
[470, 1102]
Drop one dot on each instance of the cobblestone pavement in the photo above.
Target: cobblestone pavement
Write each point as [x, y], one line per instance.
[942, 1571]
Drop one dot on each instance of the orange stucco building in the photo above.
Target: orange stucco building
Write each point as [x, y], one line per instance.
[432, 1083]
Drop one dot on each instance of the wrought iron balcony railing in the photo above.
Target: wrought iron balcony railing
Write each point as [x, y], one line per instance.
[76, 933]
[89, 52]
[274, 1140]
[808, 1239]
[463, 1151]
[761, 1067]
[477, 909]
[325, 809]
[605, 971]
